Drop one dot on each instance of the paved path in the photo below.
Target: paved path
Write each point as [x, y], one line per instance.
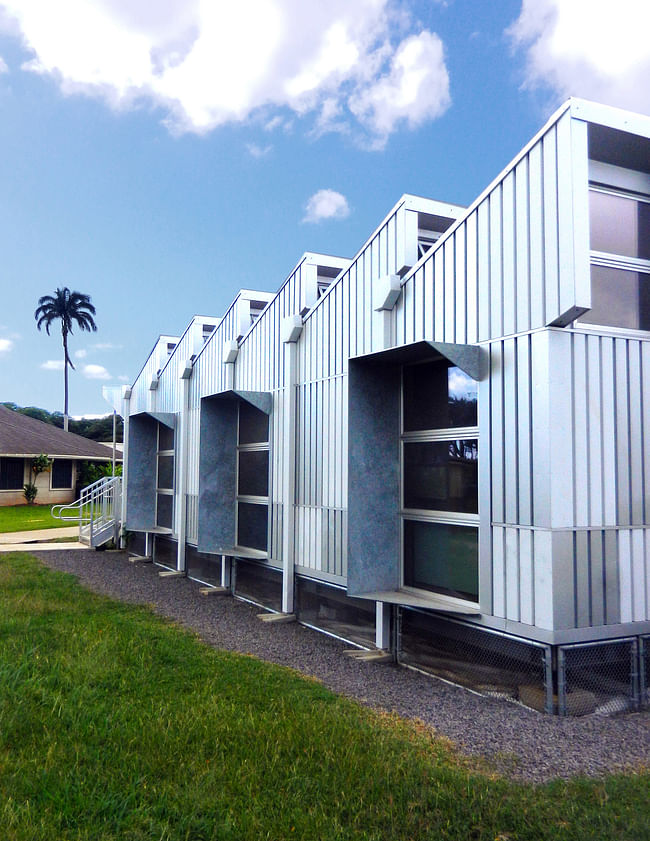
[40, 539]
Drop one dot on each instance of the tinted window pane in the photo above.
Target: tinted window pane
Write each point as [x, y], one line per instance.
[165, 510]
[165, 437]
[12, 474]
[62, 473]
[438, 396]
[619, 299]
[619, 225]
[441, 476]
[441, 558]
[253, 425]
[253, 473]
[252, 525]
[166, 472]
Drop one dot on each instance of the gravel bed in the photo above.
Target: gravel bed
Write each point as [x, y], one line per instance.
[516, 741]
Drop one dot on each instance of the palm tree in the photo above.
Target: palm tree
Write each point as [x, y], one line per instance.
[69, 307]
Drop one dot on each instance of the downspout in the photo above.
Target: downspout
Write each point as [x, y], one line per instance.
[291, 331]
[181, 472]
[126, 412]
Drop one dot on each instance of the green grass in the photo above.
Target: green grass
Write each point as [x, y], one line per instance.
[115, 724]
[29, 518]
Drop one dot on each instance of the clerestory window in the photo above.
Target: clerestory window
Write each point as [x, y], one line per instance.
[619, 223]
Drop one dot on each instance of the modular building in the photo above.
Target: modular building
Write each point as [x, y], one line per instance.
[436, 448]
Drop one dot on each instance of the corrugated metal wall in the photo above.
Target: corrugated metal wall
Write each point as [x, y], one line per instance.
[563, 473]
[343, 324]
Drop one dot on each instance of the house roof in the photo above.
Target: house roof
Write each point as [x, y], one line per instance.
[21, 435]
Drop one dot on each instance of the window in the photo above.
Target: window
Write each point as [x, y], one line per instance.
[439, 455]
[165, 477]
[252, 478]
[12, 474]
[620, 259]
[61, 474]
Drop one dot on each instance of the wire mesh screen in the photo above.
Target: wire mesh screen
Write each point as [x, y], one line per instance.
[330, 609]
[258, 583]
[165, 551]
[644, 671]
[202, 567]
[600, 677]
[136, 542]
[486, 661]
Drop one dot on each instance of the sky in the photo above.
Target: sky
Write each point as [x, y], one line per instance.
[159, 155]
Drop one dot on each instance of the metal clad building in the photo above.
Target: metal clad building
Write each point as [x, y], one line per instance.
[448, 428]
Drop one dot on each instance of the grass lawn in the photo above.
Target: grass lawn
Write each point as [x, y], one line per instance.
[115, 724]
[28, 518]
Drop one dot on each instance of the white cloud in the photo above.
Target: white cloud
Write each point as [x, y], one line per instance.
[80, 354]
[96, 372]
[6, 345]
[587, 48]
[326, 204]
[52, 365]
[413, 90]
[107, 346]
[206, 63]
[3, 66]
[256, 151]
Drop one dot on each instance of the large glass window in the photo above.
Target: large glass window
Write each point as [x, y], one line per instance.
[440, 480]
[620, 259]
[12, 474]
[252, 478]
[619, 224]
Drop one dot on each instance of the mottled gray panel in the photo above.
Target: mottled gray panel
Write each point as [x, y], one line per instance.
[262, 400]
[373, 483]
[469, 358]
[466, 357]
[166, 418]
[141, 476]
[217, 471]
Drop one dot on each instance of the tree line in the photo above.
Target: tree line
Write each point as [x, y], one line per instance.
[97, 429]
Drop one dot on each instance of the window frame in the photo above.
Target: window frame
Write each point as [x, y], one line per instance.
[252, 499]
[613, 260]
[22, 484]
[165, 491]
[69, 487]
[453, 518]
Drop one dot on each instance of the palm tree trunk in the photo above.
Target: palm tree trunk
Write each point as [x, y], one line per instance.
[65, 380]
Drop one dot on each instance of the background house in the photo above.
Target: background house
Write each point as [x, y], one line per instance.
[22, 438]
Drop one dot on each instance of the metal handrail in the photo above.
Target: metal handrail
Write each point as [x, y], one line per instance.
[98, 506]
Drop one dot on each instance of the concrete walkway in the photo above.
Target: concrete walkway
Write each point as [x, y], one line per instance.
[40, 539]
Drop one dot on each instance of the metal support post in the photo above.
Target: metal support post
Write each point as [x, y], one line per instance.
[382, 625]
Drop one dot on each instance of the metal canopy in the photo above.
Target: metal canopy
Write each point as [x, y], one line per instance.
[262, 400]
[165, 418]
[466, 357]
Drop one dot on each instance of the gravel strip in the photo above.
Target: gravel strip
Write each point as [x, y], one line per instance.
[518, 742]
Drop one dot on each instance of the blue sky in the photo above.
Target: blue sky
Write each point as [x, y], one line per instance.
[160, 155]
